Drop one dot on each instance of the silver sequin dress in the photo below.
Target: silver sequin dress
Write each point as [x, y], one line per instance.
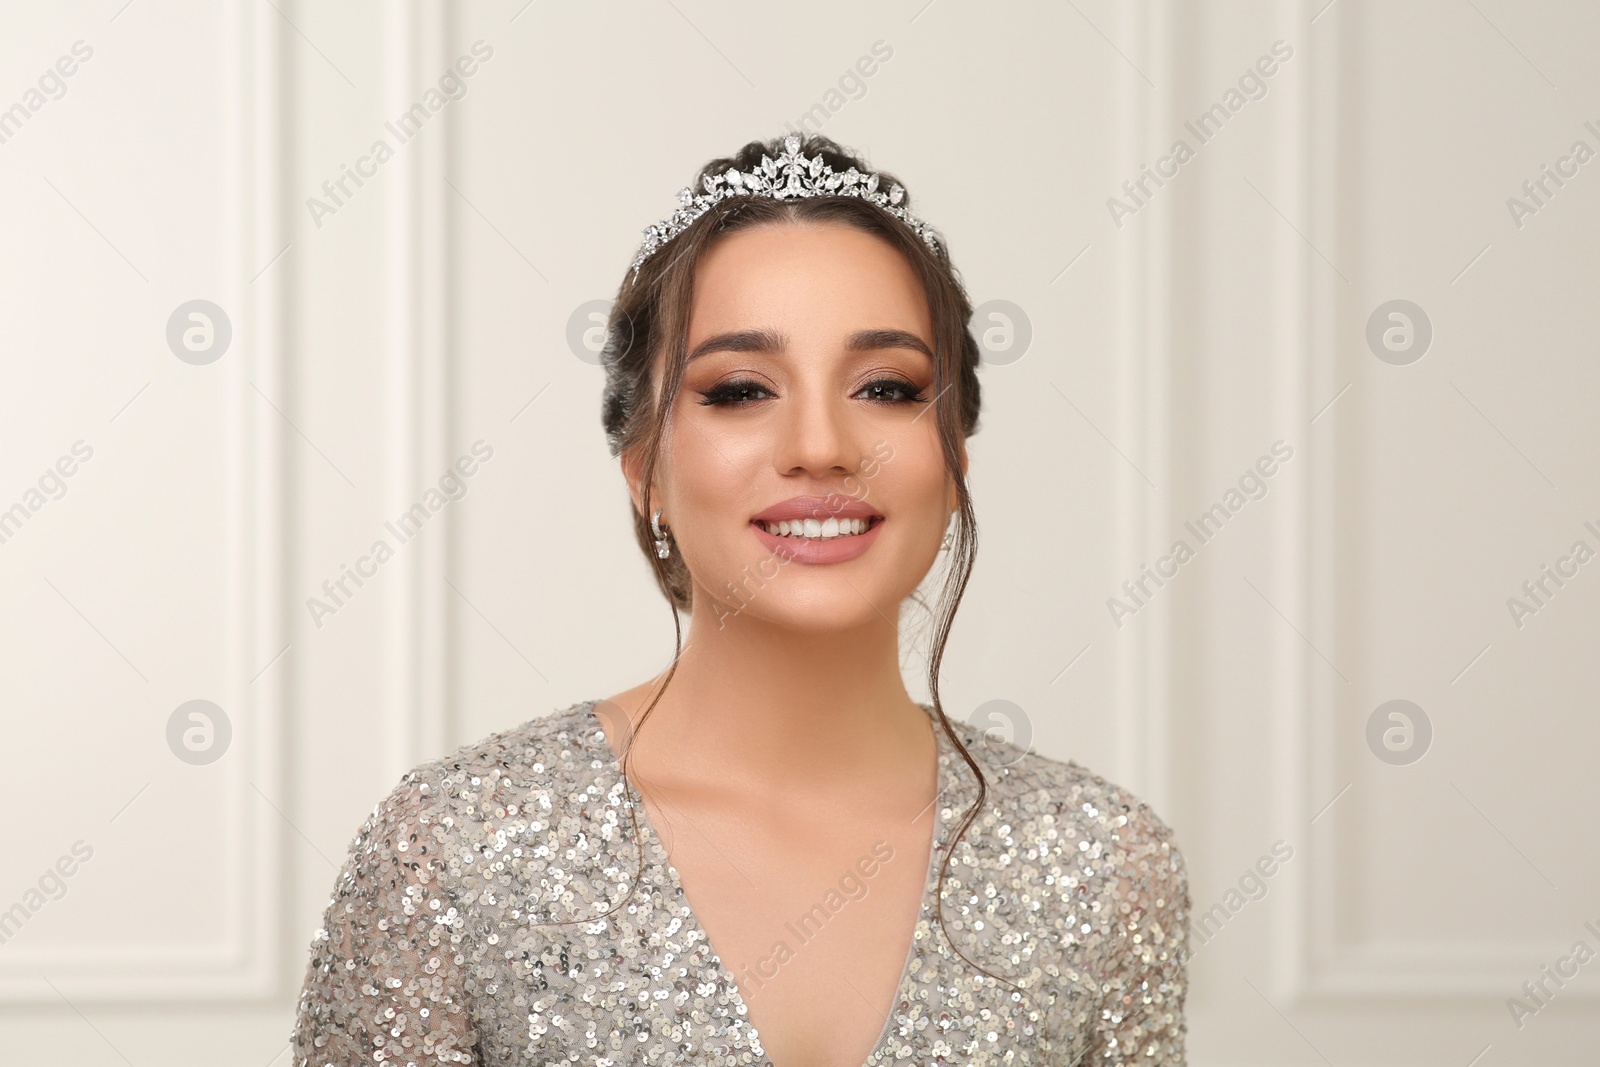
[432, 952]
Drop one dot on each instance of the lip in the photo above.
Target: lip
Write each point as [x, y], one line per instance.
[818, 507]
[835, 550]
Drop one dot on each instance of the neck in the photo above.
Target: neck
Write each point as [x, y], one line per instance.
[763, 707]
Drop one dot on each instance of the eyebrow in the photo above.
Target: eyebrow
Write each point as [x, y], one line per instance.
[771, 341]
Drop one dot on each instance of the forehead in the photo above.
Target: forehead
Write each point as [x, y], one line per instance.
[810, 279]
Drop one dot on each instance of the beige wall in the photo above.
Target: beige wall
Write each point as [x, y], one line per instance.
[1174, 342]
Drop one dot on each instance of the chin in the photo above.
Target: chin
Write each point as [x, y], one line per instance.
[809, 600]
[825, 613]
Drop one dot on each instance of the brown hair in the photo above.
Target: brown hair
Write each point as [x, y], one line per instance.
[650, 318]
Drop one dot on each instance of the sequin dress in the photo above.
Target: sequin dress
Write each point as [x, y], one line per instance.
[432, 952]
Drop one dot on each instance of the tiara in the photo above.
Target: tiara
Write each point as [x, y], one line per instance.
[802, 176]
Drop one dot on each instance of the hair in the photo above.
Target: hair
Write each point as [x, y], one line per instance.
[649, 321]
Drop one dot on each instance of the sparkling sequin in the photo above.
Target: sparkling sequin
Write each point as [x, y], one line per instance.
[433, 951]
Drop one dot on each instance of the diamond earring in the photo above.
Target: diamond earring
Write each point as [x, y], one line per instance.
[949, 533]
[663, 546]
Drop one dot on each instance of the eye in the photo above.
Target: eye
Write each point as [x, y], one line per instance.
[743, 391]
[737, 393]
[892, 391]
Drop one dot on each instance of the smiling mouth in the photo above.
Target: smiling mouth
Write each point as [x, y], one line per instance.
[828, 529]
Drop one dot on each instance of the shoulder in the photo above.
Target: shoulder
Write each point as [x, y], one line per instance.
[1095, 816]
[544, 747]
[487, 785]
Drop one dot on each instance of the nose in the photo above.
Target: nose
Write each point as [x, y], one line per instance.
[815, 435]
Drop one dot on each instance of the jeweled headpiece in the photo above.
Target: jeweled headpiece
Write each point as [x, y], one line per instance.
[802, 176]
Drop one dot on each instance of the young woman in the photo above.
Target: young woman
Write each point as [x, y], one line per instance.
[769, 853]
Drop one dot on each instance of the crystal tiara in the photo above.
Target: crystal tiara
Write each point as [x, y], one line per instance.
[802, 176]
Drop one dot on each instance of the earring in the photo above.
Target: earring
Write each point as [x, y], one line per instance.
[663, 546]
[949, 533]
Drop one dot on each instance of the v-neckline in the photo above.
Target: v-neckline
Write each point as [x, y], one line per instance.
[724, 975]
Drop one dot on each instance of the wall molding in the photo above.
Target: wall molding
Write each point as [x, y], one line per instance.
[246, 964]
[1311, 967]
[418, 391]
[1143, 415]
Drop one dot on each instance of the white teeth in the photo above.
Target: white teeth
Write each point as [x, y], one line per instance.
[824, 530]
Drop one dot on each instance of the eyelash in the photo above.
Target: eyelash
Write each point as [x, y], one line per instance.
[727, 393]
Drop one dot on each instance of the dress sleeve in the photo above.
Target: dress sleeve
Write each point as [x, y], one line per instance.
[1141, 1015]
[383, 984]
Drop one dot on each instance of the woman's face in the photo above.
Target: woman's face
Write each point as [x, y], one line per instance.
[807, 395]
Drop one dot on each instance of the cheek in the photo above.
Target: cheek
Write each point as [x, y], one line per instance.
[911, 485]
[707, 478]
